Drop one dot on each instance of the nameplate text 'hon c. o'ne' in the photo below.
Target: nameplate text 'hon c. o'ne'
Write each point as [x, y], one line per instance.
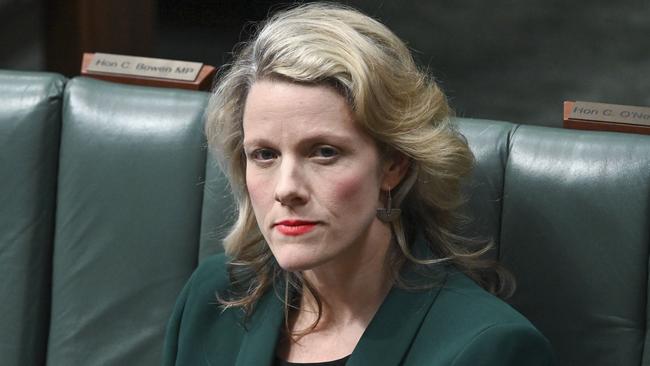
[610, 113]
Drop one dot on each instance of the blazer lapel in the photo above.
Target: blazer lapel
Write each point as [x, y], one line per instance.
[384, 343]
[391, 331]
[259, 343]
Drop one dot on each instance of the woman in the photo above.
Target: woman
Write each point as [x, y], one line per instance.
[347, 175]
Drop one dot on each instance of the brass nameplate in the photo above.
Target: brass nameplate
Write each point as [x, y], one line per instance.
[602, 112]
[144, 66]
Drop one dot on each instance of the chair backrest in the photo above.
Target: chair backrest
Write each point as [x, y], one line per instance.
[108, 200]
[30, 122]
[128, 219]
[575, 229]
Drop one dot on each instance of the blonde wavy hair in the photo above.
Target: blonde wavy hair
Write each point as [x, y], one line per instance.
[396, 103]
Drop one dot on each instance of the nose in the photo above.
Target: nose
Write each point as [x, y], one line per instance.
[291, 186]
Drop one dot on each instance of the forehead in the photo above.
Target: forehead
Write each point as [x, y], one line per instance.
[279, 107]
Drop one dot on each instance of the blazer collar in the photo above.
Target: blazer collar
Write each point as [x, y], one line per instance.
[385, 342]
[392, 330]
[390, 334]
[263, 332]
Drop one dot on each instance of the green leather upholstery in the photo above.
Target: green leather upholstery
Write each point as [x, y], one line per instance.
[218, 210]
[112, 222]
[30, 121]
[575, 219]
[484, 191]
[128, 220]
[575, 231]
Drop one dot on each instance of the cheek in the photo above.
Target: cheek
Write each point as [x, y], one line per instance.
[258, 190]
[355, 192]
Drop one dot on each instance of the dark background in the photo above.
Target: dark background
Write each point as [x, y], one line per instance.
[507, 60]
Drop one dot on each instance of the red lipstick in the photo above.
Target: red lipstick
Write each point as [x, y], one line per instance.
[294, 227]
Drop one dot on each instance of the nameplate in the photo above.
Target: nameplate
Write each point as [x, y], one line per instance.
[601, 112]
[144, 67]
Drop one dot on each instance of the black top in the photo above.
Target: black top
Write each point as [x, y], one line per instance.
[339, 362]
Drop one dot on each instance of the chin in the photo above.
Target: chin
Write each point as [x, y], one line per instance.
[294, 262]
[295, 265]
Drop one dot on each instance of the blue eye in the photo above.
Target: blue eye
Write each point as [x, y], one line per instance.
[326, 152]
[263, 154]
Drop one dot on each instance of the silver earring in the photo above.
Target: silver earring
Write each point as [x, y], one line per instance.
[388, 214]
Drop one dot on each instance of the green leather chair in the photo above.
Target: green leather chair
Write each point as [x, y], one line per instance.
[109, 200]
[30, 123]
[573, 225]
[129, 200]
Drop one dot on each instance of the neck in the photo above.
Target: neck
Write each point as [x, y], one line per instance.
[351, 291]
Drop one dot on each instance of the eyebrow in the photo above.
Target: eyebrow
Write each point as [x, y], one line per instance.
[309, 140]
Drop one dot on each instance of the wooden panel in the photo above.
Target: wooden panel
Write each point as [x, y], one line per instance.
[77, 26]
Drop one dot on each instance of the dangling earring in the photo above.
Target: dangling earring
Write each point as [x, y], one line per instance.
[388, 214]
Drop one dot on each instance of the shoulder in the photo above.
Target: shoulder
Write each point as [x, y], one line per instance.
[198, 325]
[472, 326]
[198, 298]
[506, 344]
[470, 299]
[210, 276]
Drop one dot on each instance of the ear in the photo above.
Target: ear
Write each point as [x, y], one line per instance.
[395, 169]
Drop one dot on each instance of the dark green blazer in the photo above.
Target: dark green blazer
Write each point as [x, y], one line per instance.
[457, 323]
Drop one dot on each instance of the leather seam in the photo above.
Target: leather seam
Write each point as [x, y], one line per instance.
[506, 161]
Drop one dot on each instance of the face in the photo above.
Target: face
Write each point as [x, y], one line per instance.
[313, 176]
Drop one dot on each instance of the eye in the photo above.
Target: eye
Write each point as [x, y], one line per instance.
[263, 155]
[326, 152]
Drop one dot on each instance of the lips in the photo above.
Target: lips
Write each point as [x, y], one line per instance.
[294, 227]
